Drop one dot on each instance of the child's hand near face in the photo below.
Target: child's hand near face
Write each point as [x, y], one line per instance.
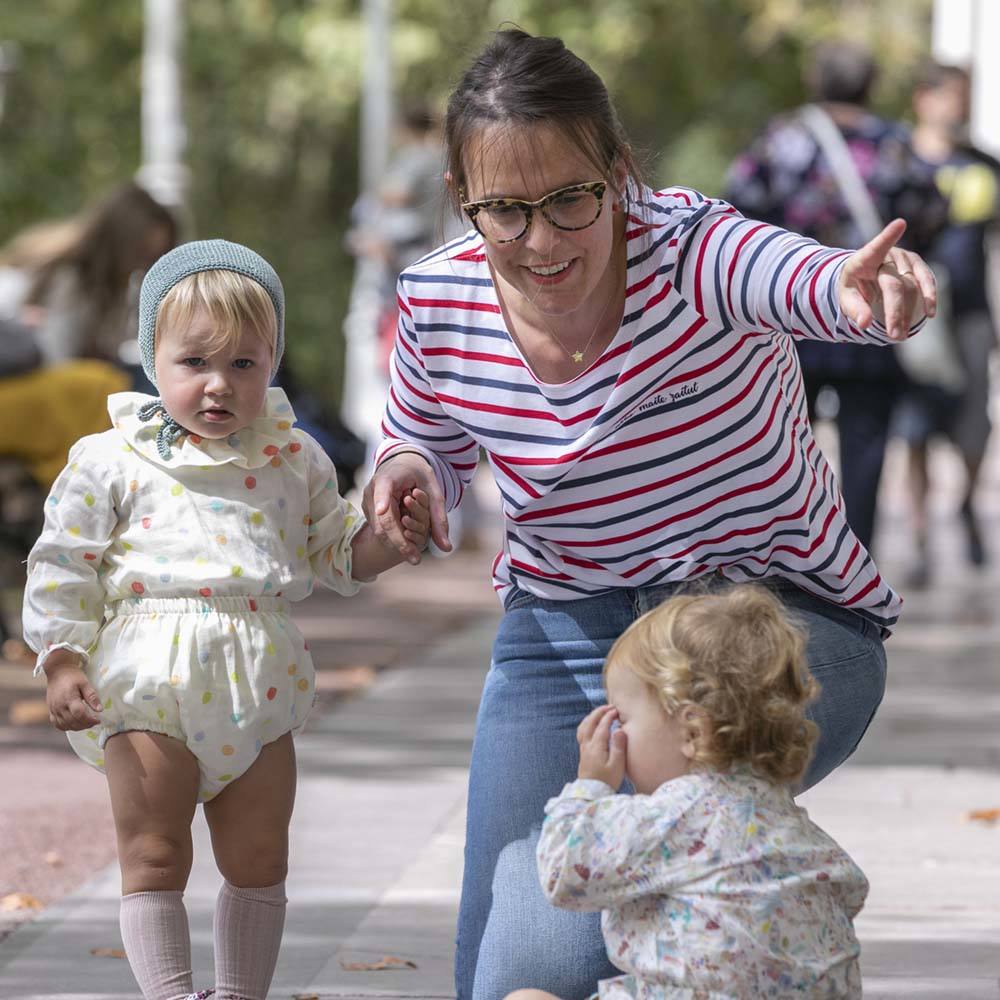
[416, 518]
[602, 752]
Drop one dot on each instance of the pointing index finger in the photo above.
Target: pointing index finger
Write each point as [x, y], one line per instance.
[873, 253]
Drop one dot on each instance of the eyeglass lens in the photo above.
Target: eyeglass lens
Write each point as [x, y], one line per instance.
[572, 210]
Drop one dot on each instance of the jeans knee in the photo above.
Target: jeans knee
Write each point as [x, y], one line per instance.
[563, 955]
[845, 716]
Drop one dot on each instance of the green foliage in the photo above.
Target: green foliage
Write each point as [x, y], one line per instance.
[272, 95]
[70, 127]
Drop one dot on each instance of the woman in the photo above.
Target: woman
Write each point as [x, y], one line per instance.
[81, 277]
[64, 313]
[624, 357]
[65, 303]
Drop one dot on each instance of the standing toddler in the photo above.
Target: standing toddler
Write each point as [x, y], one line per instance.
[158, 598]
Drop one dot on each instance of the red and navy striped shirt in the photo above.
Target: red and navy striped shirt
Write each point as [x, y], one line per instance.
[684, 449]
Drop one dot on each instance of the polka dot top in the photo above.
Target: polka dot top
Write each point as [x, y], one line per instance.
[254, 514]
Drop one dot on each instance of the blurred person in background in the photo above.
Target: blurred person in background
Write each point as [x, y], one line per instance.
[786, 178]
[64, 312]
[42, 412]
[79, 281]
[970, 181]
[405, 221]
[410, 210]
[405, 218]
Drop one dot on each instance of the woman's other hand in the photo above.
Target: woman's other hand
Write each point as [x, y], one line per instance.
[884, 282]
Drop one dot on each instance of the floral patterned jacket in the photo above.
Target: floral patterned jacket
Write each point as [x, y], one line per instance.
[715, 886]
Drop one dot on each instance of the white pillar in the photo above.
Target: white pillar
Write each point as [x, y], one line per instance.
[364, 387]
[985, 125]
[967, 33]
[376, 93]
[164, 137]
[951, 31]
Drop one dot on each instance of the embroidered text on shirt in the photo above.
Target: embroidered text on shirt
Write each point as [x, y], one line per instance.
[687, 390]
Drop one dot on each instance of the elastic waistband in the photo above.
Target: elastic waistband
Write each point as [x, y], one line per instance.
[198, 606]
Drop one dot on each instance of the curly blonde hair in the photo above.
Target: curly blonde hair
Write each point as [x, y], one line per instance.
[739, 660]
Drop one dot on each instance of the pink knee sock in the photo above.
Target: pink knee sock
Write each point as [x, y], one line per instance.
[248, 927]
[155, 933]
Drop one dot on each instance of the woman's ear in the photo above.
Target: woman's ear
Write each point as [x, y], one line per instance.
[619, 177]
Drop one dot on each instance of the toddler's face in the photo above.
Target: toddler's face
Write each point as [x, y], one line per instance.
[655, 751]
[213, 395]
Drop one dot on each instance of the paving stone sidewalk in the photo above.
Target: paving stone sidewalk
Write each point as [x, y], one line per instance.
[379, 822]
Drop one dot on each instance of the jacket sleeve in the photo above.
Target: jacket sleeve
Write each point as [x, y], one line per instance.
[599, 849]
[333, 522]
[64, 595]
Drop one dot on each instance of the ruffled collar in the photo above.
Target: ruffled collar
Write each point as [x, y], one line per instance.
[250, 448]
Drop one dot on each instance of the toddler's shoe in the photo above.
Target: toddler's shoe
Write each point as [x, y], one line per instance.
[203, 995]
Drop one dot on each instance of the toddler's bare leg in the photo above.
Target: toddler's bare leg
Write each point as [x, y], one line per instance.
[153, 781]
[249, 824]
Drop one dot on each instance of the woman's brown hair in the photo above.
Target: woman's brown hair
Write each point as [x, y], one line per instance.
[526, 80]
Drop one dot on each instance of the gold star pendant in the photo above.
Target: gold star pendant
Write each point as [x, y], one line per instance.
[578, 357]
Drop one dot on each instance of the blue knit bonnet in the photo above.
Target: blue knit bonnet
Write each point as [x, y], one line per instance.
[179, 263]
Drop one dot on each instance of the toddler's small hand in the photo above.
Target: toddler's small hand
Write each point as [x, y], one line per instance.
[416, 520]
[602, 752]
[73, 703]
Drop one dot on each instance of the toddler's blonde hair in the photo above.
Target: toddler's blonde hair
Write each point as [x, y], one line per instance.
[233, 301]
[738, 658]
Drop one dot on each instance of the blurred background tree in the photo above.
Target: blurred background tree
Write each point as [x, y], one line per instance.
[271, 92]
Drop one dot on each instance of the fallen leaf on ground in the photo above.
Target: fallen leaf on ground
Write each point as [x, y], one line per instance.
[29, 712]
[53, 858]
[983, 815]
[107, 953]
[20, 901]
[385, 962]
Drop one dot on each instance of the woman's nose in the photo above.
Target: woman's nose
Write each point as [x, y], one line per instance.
[541, 234]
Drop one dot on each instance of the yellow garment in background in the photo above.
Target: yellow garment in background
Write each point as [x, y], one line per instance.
[971, 191]
[44, 412]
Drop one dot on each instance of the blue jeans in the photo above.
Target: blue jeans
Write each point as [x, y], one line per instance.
[545, 676]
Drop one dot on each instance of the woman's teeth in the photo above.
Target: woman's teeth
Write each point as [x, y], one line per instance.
[548, 271]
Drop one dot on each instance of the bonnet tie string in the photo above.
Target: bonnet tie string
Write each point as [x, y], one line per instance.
[169, 431]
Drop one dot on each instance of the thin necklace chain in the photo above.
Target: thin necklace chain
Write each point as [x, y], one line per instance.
[579, 355]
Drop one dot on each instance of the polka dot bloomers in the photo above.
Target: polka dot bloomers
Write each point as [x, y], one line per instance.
[172, 578]
[222, 675]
